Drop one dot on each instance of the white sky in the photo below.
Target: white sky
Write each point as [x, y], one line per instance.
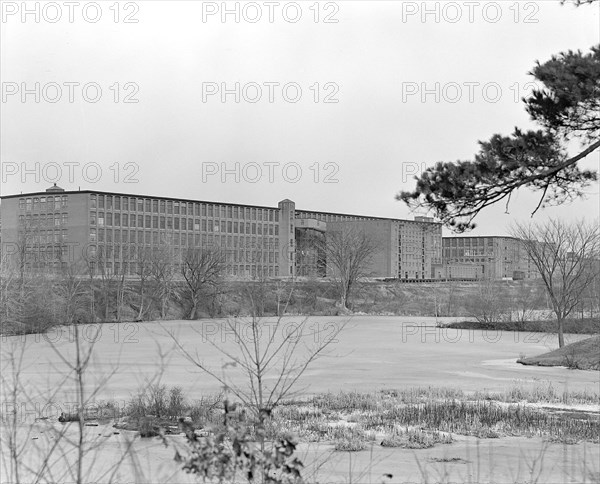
[370, 142]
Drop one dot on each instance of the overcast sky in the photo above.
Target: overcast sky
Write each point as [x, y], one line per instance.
[375, 61]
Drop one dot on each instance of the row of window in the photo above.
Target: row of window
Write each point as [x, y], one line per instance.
[240, 270]
[38, 221]
[102, 219]
[459, 242]
[331, 217]
[175, 207]
[43, 204]
[47, 237]
[189, 240]
[409, 275]
[46, 253]
[234, 256]
[470, 252]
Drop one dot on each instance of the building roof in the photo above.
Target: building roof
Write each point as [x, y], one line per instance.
[480, 237]
[187, 200]
[137, 195]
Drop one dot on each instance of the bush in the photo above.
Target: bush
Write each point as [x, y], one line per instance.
[147, 427]
[232, 453]
[415, 439]
[176, 402]
[350, 445]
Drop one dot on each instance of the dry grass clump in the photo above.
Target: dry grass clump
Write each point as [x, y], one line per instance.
[350, 419]
[349, 445]
[350, 439]
[415, 439]
[542, 392]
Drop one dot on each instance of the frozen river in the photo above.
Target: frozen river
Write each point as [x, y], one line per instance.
[370, 353]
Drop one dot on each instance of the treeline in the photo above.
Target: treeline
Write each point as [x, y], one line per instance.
[518, 303]
[33, 303]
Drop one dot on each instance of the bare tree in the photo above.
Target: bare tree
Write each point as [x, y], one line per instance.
[283, 294]
[101, 277]
[450, 310]
[487, 304]
[121, 288]
[38, 450]
[567, 258]
[524, 300]
[143, 269]
[10, 306]
[272, 355]
[348, 252]
[200, 268]
[162, 273]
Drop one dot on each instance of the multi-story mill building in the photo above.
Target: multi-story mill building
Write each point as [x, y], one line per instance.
[56, 226]
[485, 257]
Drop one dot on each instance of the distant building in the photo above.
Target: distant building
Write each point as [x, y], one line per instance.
[52, 228]
[406, 249]
[493, 257]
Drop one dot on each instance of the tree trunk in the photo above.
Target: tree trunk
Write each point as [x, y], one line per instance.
[343, 300]
[561, 337]
[194, 307]
[141, 311]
